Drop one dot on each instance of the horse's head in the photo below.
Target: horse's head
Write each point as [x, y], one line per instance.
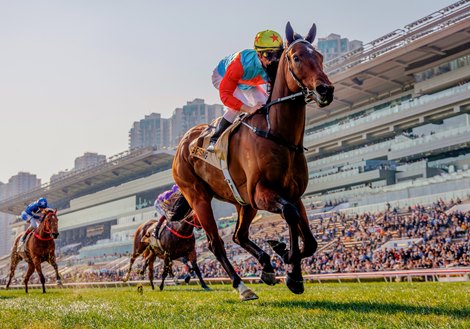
[305, 68]
[50, 223]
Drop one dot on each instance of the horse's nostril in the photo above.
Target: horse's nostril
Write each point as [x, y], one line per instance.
[322, 89]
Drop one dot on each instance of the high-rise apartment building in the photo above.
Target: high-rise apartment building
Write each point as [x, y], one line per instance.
[334, 46]
[148, 132]
[155, 131]
[89, 159]
[20, 183]
[193, 113]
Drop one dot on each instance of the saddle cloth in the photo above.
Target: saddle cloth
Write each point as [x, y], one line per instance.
[198, 147]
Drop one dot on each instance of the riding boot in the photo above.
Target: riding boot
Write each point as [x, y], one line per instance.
[156, 231]
[25, 235]
[223, 124]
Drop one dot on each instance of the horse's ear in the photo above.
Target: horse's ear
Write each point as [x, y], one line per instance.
[289, 33]
[312, 33]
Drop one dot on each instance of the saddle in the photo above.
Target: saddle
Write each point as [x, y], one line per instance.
[21, 248]
[149, 238]
[218, 158]
[198, 147]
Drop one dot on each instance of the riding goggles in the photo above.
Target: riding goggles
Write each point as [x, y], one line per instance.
[272, 55]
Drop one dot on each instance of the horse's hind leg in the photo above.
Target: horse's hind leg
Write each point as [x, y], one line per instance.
[37, 265]
[240, 236]
[28, 274]
[13, 264]
[216, 245]
[128, 274]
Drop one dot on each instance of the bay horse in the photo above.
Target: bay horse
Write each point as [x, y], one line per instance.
[176, 241]
[38, 248]
[267, 164]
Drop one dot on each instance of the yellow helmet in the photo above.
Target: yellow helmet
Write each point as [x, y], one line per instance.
[267, 40]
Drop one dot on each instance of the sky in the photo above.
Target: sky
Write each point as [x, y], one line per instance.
[75, 75]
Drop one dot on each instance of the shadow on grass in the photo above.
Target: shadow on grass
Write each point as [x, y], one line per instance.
[389, 308]
[7, 297]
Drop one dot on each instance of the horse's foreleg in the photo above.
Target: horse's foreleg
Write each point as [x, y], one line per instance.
[28, 274]
[269, 200]
[294, 280]
[194, 267]
[53, 263]
[166, 269]
[309, 243]
[151, 269]
[241, 237]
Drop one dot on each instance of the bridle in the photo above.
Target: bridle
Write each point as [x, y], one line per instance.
[308, 94]
[46, 229]
[187, 221]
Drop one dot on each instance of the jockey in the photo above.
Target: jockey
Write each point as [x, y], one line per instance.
[33, 215]
[172, 205]
[244, 79]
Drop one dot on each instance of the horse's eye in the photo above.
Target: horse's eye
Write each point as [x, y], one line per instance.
[295, 58]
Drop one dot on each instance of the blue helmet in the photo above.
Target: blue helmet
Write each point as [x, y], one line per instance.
[42, 203]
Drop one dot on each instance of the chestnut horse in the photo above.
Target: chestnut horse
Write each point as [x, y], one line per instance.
[267, 164]
[176, 241]
[38, 248]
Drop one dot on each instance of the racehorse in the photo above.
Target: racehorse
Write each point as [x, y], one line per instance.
[176, 241]
[267, 164]
[38, 248]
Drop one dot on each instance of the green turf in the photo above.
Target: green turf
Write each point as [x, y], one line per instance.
[327, 305]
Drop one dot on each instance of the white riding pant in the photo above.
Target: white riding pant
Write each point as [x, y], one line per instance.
[33, 222]
[251, 97]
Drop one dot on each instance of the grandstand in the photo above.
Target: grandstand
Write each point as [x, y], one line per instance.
[397, 132]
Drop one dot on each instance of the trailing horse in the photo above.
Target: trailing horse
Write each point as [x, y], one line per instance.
[176, 241]
[38, 248]
[266, 163]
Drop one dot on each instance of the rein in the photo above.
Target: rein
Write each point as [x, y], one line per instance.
[45, 230]
[190, 215]
[308, 94]
[177, 234]
[41, 238]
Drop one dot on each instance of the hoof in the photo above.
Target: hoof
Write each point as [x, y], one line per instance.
[187, 279]
[268, 278]
[248, 295]
[206, 288]
[296, 286]
[245, 292]
[59, 284]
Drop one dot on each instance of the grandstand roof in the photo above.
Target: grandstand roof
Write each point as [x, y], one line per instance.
[385, 66]
[117, 169]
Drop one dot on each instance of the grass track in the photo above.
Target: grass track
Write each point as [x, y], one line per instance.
[327, 305]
